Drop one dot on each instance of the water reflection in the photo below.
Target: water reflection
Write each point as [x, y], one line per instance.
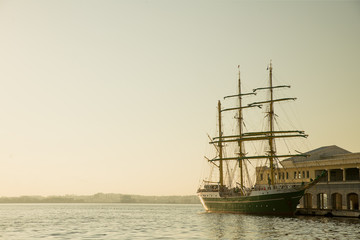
[136, 221]
[237, 226]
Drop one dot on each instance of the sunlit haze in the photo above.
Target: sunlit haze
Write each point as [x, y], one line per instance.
[118, 96]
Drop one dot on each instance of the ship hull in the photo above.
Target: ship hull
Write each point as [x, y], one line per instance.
[281, 204]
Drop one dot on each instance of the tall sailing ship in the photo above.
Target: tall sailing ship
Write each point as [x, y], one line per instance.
[271, 199]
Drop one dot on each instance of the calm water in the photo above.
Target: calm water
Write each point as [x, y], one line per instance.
[132, 221]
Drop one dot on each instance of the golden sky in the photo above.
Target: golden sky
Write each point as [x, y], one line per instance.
[117, 96]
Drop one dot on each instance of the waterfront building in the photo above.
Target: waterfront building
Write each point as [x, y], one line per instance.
[338, 190]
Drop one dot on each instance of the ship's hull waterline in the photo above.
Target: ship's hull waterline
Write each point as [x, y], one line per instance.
[282, 204]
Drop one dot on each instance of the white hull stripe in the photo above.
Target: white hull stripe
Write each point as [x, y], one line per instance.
[265, 200]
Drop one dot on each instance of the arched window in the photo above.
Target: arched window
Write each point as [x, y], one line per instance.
[336, 201]
[322, 201]
[352, 201]
[307, 200]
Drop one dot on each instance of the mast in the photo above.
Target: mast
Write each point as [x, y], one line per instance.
[221, 177]
[269, 135]
[240, 143]
[271, 129]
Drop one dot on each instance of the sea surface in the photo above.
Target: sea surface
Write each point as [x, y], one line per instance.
[156, 221]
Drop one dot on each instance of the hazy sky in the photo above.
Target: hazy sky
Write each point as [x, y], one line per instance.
[117, 96]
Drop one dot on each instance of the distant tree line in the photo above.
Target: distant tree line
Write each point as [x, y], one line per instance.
[103, 198]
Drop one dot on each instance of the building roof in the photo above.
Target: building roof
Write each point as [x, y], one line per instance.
[320, 154]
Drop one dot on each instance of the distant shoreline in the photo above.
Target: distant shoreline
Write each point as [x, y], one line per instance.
[103, 198]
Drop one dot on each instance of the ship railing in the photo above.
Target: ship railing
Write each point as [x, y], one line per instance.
[280, 187]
